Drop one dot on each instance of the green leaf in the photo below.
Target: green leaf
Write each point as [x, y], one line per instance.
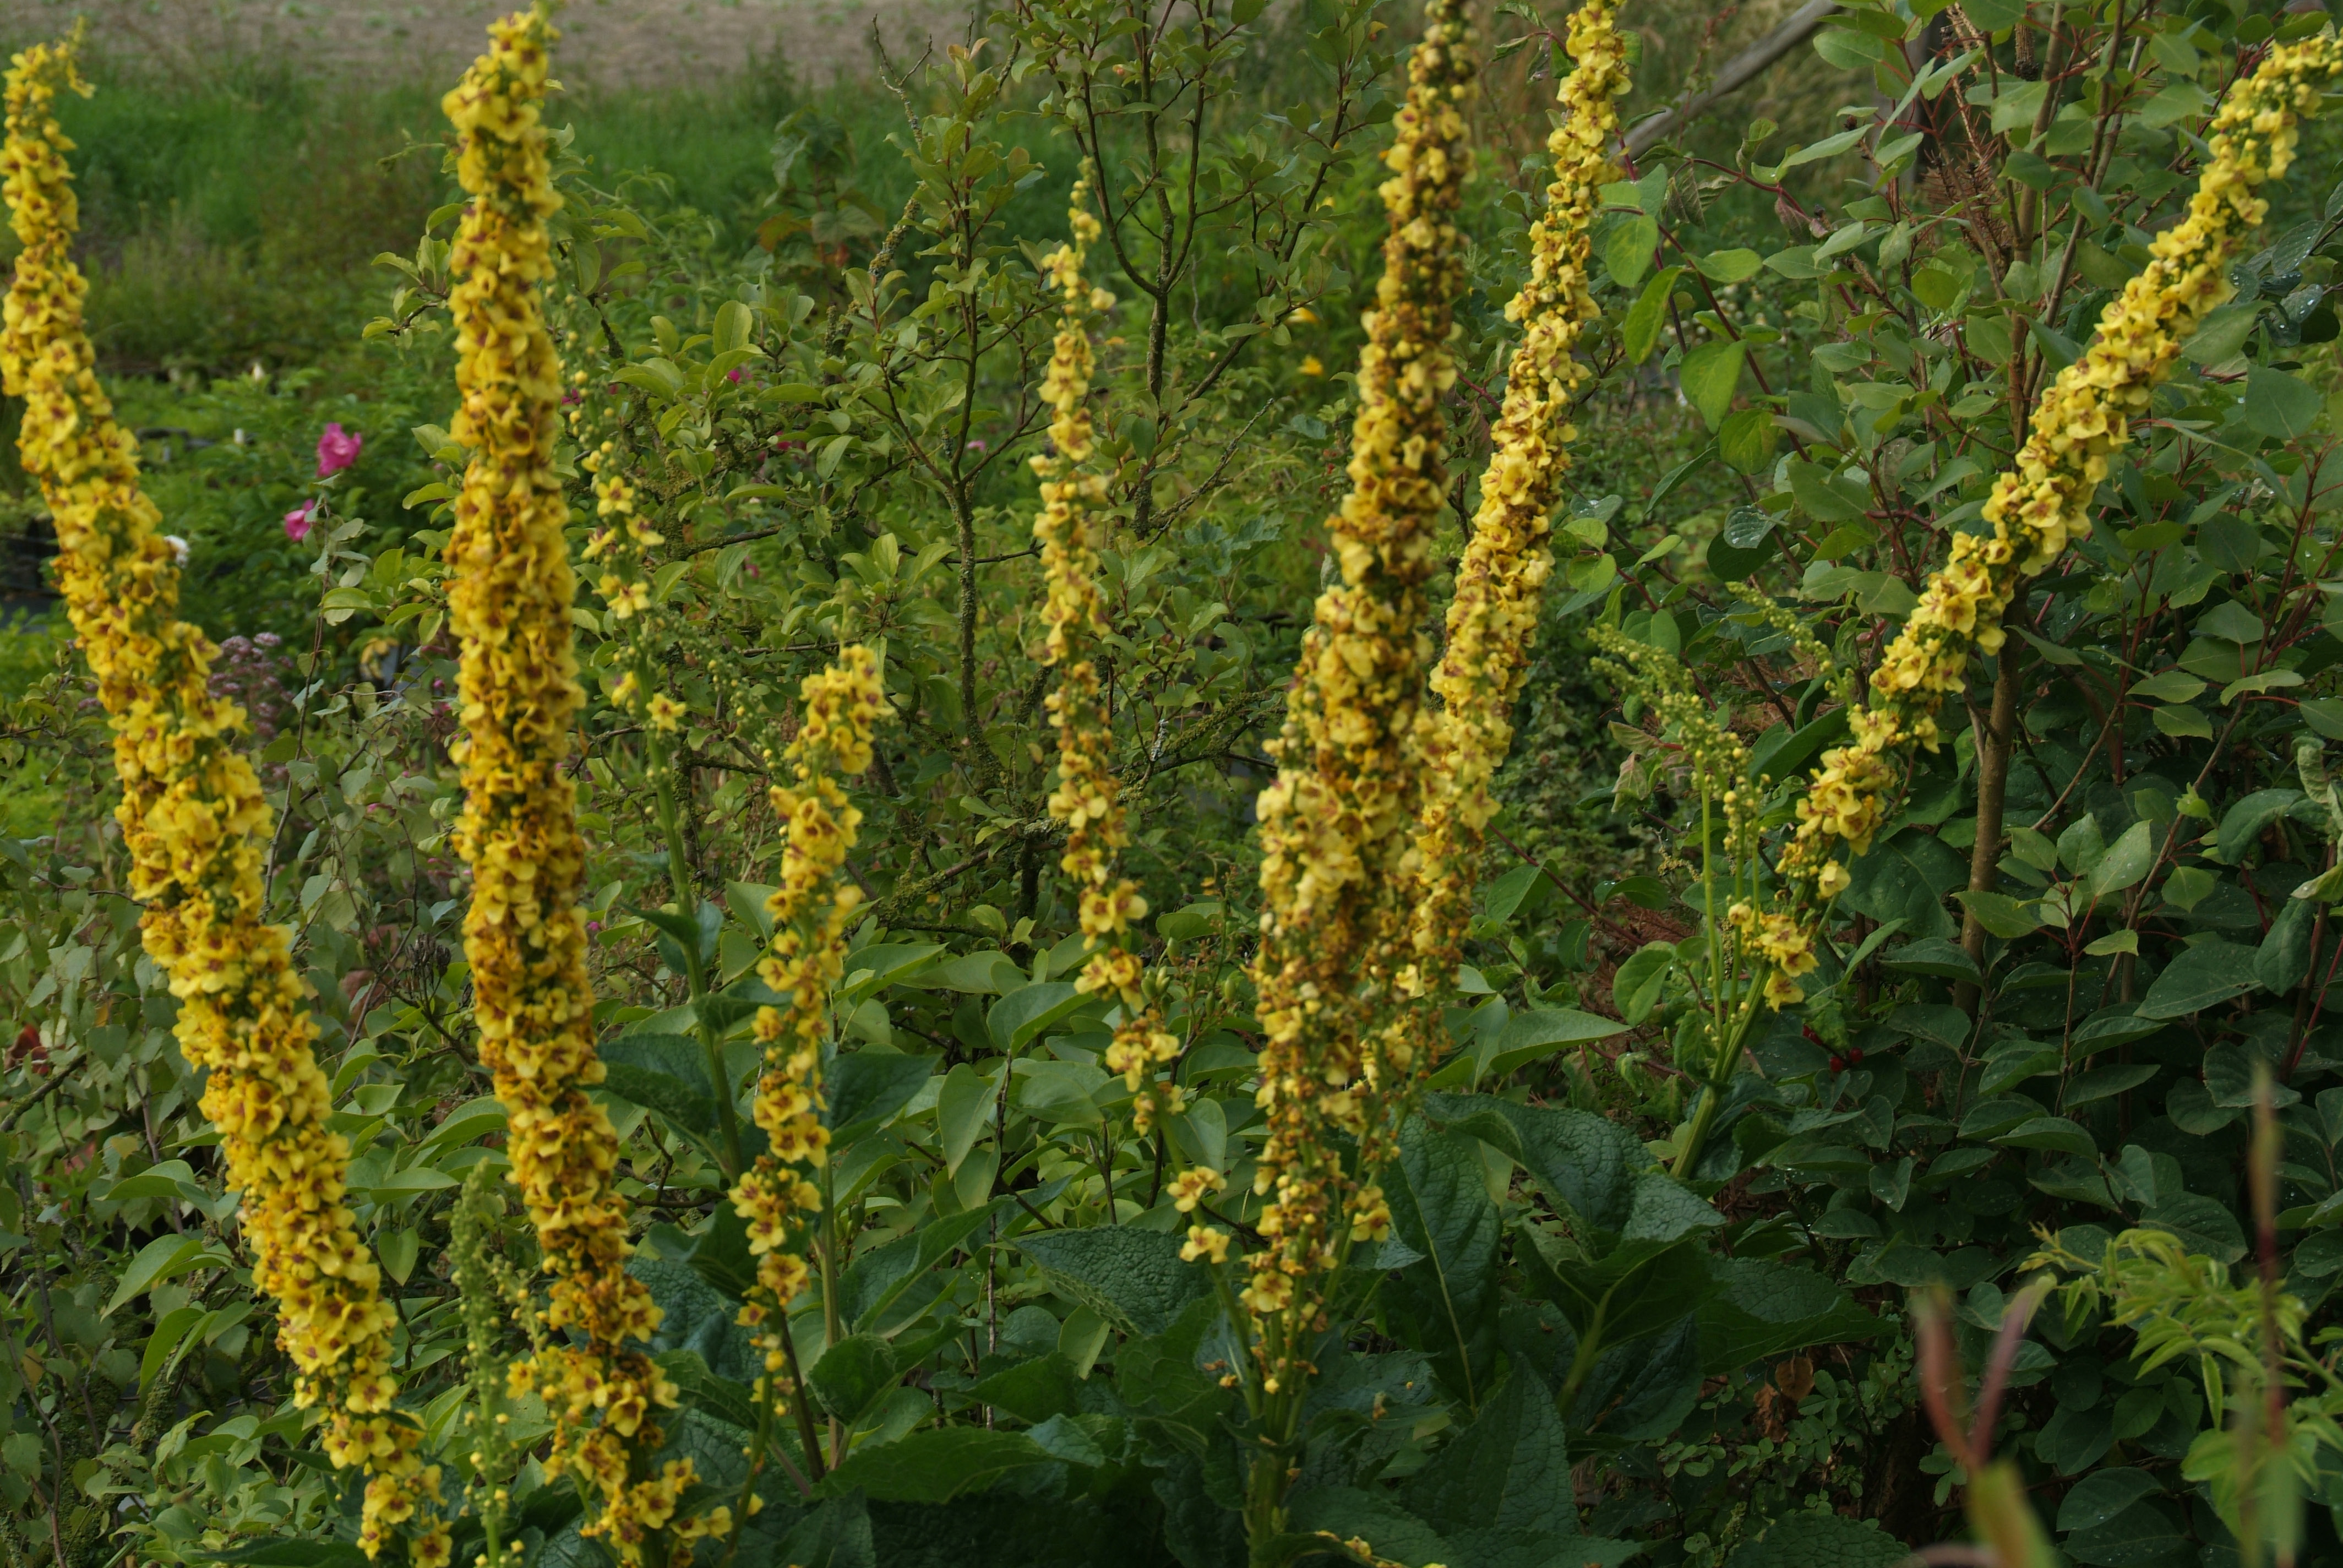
[1509, 1470]
[295, 1554]
[2144, 1534]
[2125, 861]
[1526, 1036]
[1445, 1303]
[1809, 1539]
[2055, 1133]
[2244, 823]
[1764, 1309]
[2222, 334]
[1730, 265]
[164, 1258]
[2280, 405]
[1823, 496]
[720, 1397]
[1639, 333]
[666, 1073]
[1746, 441]
[1587, 1164]
[1133, 1278]
[852, 1375]
[2181, 723]
[2203, 976]
[964, 1105]
[1033, 1391]
[1710, 375]
[1018, 1019]
[2000, 914]
[935, 1465]
[865, 1087]
[2283, 959]
[1906, 878]
[1627, 251]
[1636, 984]
[877, 1278]
[1944, 960]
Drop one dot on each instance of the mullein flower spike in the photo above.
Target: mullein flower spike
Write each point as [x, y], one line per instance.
[525, 933]
[197, 826]
[2042, 504]
[1070, 529]
[1338, 824]
[1493, 620]
[811, 909]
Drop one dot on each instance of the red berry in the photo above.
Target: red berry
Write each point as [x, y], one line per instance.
[1855, 1057]
[1838, 1064]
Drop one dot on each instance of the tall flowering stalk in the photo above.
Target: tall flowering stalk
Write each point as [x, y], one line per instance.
[1338, 824]
[1493, 620]
[1088, 796]
[197, 825]
[811, 909]
[525, 933]
[2043, 503]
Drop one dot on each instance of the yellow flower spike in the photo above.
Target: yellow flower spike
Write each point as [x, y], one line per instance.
[811, 910]
[1087, 799]
[525, 933]
[2042, 504]
[1493, 620]
[1338, 824]
[196, 825]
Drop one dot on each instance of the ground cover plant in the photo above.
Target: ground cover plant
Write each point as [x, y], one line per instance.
[872, 898]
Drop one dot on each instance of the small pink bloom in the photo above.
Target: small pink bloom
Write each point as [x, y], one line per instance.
[297, 521]
[337, 449]
[734, 378]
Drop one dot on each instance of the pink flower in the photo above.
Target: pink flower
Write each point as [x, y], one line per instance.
[337, 449]
[297, 521]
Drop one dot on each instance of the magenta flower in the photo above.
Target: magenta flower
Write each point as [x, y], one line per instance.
[337, 449]
[297, 521]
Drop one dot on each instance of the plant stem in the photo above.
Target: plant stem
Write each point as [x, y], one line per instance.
[695, 964]
[1995, 748]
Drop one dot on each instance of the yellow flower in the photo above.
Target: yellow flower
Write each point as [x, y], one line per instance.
[524, 932]
[1311, 366]
[1189, 1187]
[813, 908]
[196, 827]
[1493, 620]
[1338, 824]
[1088, 796]
[665, 713]
[2042, 504]
[1204, 1242]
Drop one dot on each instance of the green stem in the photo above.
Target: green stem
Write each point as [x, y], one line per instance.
[679, 874]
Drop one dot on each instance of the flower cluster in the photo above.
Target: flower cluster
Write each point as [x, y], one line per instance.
[1493, 620]
[1338, 824]
[197, 825]
[525, 933]
[811, 909]
[1087, 799]
[2042, 504]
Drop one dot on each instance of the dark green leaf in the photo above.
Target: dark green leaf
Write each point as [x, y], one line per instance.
[1445, 1303]
[1944, 960]
[1509, 1470]
[2277, 405]
[935, 1465]
[295, 1554]
[666, 1073]
[1811, 1539]
[1587, 1164]
[867, 1087]
[1763, 1308]
[2284, 958]
[1133, 1278]
[2146, 1535]
[2244, 822]
[2101, 1495]
[2200, 977]
[852, 1375]
[1018, 1019]
[1646, 319]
